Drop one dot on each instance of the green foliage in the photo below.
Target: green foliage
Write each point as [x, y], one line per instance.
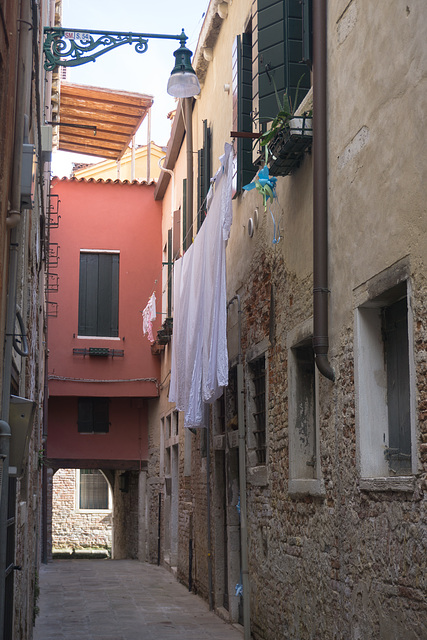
[285, 114]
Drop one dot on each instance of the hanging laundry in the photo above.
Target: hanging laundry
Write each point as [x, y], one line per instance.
[148, 317]
[199, 368]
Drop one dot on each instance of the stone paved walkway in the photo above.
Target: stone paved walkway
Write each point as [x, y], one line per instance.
[121, 600]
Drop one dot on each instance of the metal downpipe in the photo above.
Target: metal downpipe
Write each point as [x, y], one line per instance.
[320, 193]
[188, 119]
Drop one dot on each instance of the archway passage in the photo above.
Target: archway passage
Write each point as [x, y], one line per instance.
[96, 512]
[82, 513]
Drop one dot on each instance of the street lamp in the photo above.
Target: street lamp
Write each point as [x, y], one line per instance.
[72, 47]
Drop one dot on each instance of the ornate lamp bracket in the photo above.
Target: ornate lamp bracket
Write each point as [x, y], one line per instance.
[72, 47]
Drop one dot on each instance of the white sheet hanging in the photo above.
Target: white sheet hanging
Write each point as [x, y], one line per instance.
[199, 370]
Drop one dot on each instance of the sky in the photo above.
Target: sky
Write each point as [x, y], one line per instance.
[123, 68]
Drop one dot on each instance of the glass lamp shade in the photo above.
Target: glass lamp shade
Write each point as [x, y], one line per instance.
[183, 84]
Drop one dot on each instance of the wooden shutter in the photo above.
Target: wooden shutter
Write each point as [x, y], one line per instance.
[280, 54]
[88, 294]
[176, 234]
[307, 31]
[84, 420]
[204, 174]
[101, 418]
[93, 415]
[99, 295]
[108, 295]
[398, 393]
[242, 108]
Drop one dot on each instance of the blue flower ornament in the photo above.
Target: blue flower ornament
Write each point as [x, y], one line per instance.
[265, 185]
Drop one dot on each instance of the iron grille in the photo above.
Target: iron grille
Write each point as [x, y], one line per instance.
[258, 380]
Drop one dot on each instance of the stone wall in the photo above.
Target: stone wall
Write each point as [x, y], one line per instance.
[72, 528]
[126, 526]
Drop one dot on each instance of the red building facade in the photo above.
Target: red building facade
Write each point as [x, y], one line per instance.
[105, 259]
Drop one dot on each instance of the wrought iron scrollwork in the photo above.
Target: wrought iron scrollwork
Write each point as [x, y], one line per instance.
[73, 47]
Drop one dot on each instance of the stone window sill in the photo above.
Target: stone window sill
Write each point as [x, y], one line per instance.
[400, 483]
[257, 476]
[297, 488]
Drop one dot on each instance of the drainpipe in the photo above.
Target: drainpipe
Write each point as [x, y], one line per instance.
[132, 160]
[320, 193]
[188, 115]
[242, 480]
[171, 173]
[149, 145]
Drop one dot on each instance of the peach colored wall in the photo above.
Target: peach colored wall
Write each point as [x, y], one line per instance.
[110, 216]
[126, 440]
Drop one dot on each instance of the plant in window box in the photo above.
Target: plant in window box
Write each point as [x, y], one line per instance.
[288, 137]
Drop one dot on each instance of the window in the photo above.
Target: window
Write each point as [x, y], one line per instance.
[204, 174]
[93, 490]
[258, 408]
[384, 394]
[280, 52]
[93, 415]
[99, 294]
[244, 170]
[304, 449]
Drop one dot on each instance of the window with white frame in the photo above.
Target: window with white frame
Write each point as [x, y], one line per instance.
[93, 491]
[384, 378]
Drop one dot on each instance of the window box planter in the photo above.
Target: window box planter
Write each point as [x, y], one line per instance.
[286, 150]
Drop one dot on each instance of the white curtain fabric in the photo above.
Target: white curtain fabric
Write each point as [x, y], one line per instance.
[199, 370]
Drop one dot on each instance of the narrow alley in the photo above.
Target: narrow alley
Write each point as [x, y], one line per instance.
[121, 600]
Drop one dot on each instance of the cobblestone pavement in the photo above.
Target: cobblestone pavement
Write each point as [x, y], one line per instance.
[121, 600]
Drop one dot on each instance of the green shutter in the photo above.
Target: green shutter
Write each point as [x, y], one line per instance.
[203, 174]
[101, 418]
[93, 415]
[307, 32]
[200, 181]
[99, 295]
[88, 294]
[242, 108]
[84, 420]
[114, 326]
[108, 295]
[280, 54]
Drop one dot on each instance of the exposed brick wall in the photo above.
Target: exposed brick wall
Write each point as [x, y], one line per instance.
[72, 528]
